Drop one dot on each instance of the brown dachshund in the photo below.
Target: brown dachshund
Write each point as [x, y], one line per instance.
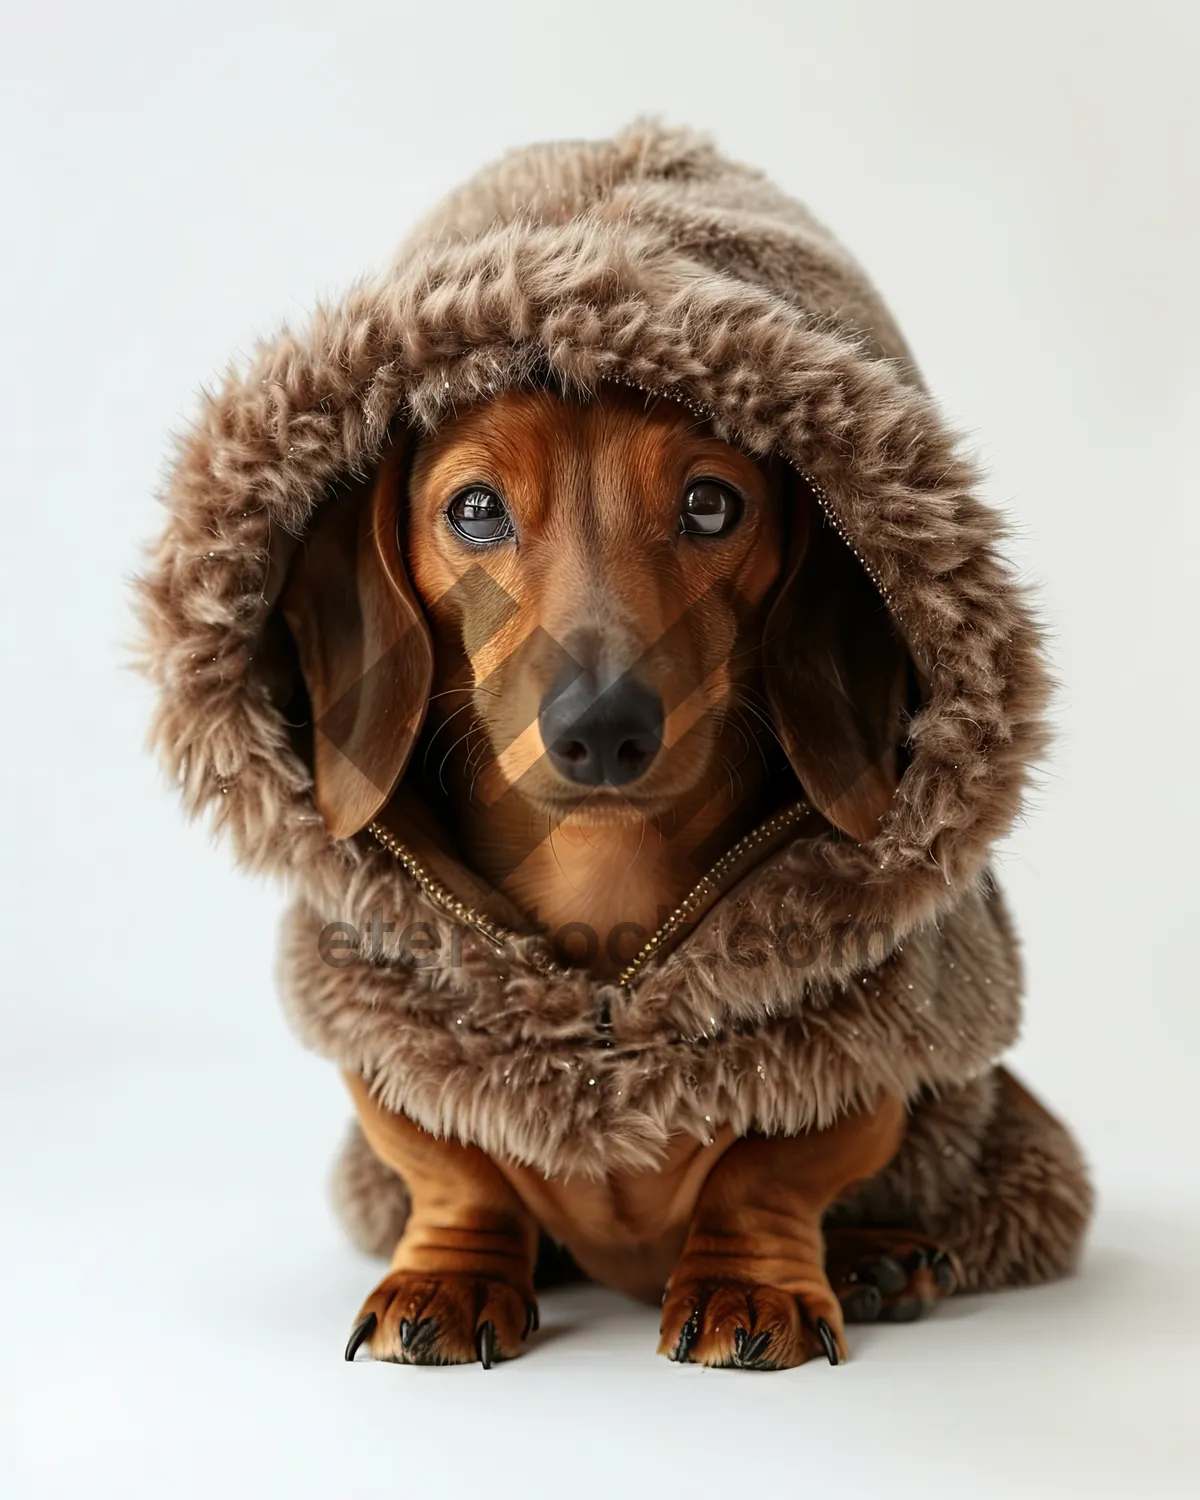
[597, 581]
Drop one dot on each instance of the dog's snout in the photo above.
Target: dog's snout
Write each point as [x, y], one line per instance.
[599, 732]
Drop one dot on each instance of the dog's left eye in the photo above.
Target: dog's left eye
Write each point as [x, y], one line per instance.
[709, 508]
[479, 516]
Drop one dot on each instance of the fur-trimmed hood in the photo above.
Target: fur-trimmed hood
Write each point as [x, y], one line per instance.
[827, 970]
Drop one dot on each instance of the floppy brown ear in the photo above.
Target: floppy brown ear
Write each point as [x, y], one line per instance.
[364, 648]
[836, 677]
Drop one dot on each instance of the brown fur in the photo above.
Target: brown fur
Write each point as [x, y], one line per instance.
[876, 966]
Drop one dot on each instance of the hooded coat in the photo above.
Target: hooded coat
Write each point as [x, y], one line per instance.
[810, 972]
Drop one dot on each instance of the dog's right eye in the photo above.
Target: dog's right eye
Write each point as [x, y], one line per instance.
[479, 516]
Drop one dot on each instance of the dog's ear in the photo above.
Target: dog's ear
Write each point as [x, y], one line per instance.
[364, 647]
[836, 675]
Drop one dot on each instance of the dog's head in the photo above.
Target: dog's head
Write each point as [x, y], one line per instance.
[589, 594]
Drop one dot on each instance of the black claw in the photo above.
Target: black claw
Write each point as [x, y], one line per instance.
[828, 1342]
[485, 1344]
[887, 1274]
[416, 1334]
[943, 1272]
[532, 1319]
[918, 1260]
[362, 1332]
[863, 1304]
[749, 1348]
[687, 1337]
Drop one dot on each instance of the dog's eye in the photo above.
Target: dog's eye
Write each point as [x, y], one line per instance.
[709, 508]
[479, 515]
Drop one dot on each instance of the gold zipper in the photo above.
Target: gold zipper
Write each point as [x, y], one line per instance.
[709, 883]
[442, 896]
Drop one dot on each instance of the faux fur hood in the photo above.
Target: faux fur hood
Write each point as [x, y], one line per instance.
[827, 970]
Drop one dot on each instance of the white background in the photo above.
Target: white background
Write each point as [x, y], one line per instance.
[1021, 180]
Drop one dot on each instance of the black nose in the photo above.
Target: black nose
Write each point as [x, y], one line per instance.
[596, 734]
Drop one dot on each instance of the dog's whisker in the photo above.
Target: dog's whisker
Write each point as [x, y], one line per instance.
[740, 719]
[766, 722]
[443, 725]
[637, 852]
[462, 739]
[757, 741]
[551, 825]
[474, 761]
[472, 689]
[486, 756]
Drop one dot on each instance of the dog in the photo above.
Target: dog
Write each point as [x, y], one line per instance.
[589, 708]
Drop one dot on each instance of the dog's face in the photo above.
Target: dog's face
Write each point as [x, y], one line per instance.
[595, 576]
[585, 594]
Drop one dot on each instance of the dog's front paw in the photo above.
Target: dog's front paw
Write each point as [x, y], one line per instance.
[417, 1319]
[738, 1324]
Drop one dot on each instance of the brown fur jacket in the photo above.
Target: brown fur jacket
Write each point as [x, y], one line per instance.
[806, 980]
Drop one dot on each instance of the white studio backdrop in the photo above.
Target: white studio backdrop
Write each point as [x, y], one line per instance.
[1021, 181]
